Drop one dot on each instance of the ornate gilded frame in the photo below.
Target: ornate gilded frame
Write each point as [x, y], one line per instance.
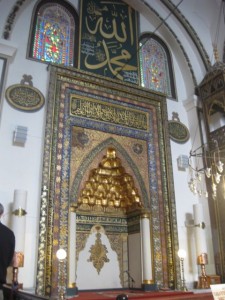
[55, 199]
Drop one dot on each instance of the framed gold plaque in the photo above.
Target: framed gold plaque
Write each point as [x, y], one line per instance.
[25, 97]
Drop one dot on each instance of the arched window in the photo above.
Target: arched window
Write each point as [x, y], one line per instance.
[54, 36]
[155, 65]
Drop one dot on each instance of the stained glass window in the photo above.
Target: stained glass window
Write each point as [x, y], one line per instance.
[54, 33]
[155, 66]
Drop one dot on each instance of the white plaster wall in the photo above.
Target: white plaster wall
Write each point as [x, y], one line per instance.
[185, 199]
[21, 166]
[204, 16]
[184, 202]
[190, 107]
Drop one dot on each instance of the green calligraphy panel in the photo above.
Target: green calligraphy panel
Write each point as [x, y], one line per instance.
[108, 39]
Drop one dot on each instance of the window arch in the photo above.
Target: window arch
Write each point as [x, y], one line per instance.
[155, 65]
[54, 35]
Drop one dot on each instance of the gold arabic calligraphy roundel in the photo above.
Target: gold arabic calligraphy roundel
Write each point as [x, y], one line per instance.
[24, 97]
[178, 131]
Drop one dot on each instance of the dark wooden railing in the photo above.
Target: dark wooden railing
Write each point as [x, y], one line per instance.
[12, 294]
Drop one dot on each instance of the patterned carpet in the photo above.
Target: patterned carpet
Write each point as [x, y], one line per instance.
[112, 295]
[139, 295]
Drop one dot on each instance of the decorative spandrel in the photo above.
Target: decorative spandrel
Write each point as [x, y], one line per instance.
[109, 187]
[98, 253]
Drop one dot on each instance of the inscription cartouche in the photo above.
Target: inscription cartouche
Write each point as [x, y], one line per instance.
[97, 110]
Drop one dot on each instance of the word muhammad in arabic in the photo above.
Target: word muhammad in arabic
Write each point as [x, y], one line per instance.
[109, 40]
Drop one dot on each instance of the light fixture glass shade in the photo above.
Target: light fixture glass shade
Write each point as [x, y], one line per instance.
[208, 172]
[220, 166]
[217, 177]
[181, 253]
[61, 254]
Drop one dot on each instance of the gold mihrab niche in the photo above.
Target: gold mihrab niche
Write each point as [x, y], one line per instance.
[109, 187]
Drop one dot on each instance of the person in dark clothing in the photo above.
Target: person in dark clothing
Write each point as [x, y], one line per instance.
[7, 248]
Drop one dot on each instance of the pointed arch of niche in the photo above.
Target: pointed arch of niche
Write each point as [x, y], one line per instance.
[91, 156]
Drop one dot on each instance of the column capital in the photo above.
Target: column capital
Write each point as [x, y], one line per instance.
[145, 214]
[73, 207]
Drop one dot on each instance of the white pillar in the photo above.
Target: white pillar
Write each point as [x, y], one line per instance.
[19, 223]
[19, 219]
[72, 250]
[200, 235]
[146, 250]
